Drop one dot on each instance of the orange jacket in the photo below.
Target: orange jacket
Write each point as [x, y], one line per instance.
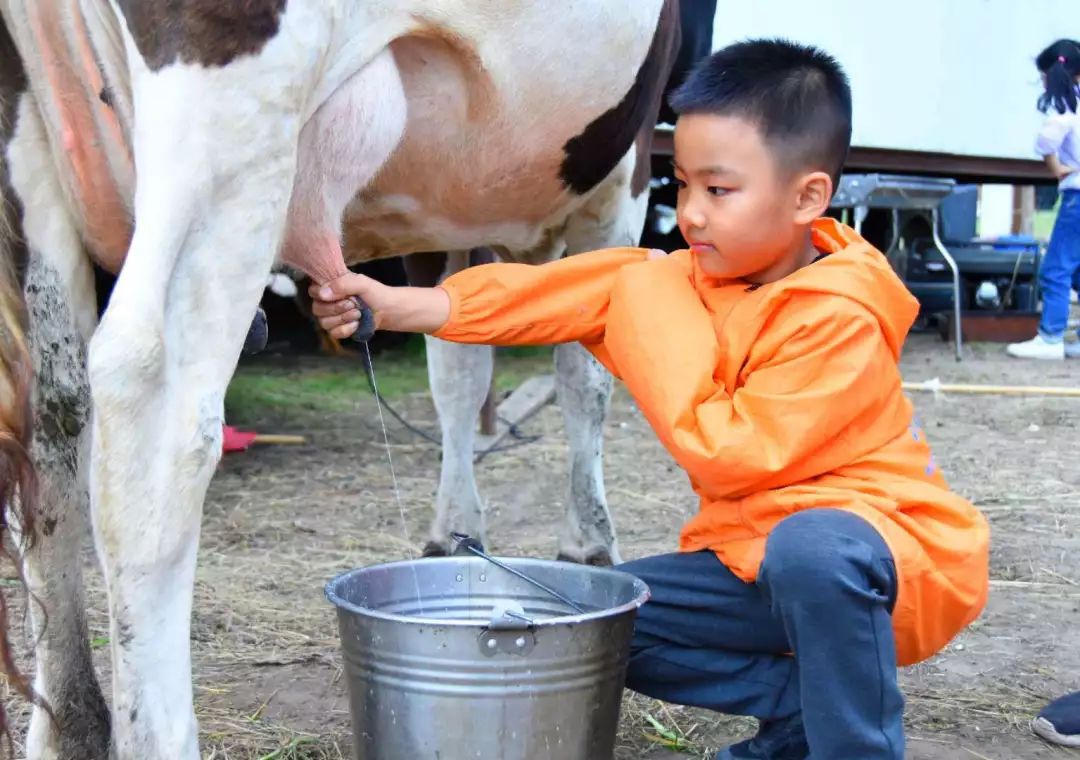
[774, 399]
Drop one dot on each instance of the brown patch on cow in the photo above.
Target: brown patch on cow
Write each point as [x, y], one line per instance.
[210, 33]
[592, 155]
[435, 46]
[459, 120]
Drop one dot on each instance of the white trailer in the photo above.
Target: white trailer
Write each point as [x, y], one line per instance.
[944, 87]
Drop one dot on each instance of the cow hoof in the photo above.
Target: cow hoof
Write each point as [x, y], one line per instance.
[257, 333]
[461, 547]
[464, 546]
[434, 549]
[598, 558]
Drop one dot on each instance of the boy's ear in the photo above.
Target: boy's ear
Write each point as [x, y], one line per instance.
[815, 191]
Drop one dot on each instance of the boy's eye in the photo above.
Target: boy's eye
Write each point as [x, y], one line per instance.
[718, 191]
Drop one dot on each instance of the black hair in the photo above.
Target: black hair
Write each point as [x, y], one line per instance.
[798, 96]
[1061, 64]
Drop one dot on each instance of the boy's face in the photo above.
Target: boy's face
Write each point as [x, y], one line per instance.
[742, 215]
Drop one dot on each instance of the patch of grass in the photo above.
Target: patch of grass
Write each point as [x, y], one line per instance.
[1044, 223]
[670, 738]
[99, 642]
[320, 384]
[292, 749]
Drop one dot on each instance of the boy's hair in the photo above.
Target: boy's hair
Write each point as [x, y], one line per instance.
[798, 96]
[1061, 64]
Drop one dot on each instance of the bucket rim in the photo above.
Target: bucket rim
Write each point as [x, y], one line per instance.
[642, 594]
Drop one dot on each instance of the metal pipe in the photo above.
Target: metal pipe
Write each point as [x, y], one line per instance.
[860, 213]
[956, 279]
[900, 267]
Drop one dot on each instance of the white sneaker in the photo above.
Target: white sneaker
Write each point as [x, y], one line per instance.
[1038, 348]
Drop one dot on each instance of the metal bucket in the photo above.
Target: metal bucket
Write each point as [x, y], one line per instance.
[437, 668]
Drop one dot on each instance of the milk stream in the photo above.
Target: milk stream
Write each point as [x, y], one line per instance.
[393, 475]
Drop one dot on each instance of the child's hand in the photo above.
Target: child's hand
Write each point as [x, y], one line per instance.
[336, 307]
[422, 310]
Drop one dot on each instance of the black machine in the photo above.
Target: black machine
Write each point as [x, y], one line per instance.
[995, 276]
[999, 276]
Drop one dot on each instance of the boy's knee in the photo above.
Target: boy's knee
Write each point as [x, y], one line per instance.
[818, 549]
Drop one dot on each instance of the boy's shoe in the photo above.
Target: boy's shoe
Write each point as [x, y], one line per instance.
[783, 739]
[1037, 348]
[1059, 722]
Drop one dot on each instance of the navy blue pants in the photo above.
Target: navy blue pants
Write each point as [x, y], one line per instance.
[825, 593]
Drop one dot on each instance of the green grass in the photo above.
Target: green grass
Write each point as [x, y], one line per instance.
[1044, 223]
[323, 385]
[292, 750]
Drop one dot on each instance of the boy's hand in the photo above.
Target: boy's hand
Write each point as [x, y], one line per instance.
[337, 304]
[422, 310]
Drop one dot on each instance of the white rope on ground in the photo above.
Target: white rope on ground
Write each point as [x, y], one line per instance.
[939, 388]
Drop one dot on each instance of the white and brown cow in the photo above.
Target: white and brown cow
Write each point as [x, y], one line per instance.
[191, 144]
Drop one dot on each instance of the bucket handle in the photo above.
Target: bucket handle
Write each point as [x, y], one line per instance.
[471, 544]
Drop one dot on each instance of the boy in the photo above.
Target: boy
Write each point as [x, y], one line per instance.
[828, 548]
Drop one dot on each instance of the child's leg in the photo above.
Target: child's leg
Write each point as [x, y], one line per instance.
[1076, 277]
[1059, 268]
[831, 581]
[707, 639]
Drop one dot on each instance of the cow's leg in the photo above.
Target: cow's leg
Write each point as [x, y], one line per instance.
[584, 391]
[159, 366]
[209, 224]
[460, 378]
[612, 217]
[61, 302]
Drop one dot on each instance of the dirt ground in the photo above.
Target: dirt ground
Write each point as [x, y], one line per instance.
[280, 521]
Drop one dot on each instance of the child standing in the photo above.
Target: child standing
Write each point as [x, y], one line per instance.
[828, 547]
[1059, 145]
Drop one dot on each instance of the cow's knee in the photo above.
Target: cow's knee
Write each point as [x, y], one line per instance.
[126, 359]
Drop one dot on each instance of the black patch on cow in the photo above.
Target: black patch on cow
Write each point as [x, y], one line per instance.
[13, 83]
[696, 22]
[209, 33]
[592, 155]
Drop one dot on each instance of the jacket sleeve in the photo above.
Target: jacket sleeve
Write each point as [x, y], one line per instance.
[822, 367]
[522, 304]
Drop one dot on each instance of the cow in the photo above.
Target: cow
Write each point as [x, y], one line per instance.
[191, 145]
